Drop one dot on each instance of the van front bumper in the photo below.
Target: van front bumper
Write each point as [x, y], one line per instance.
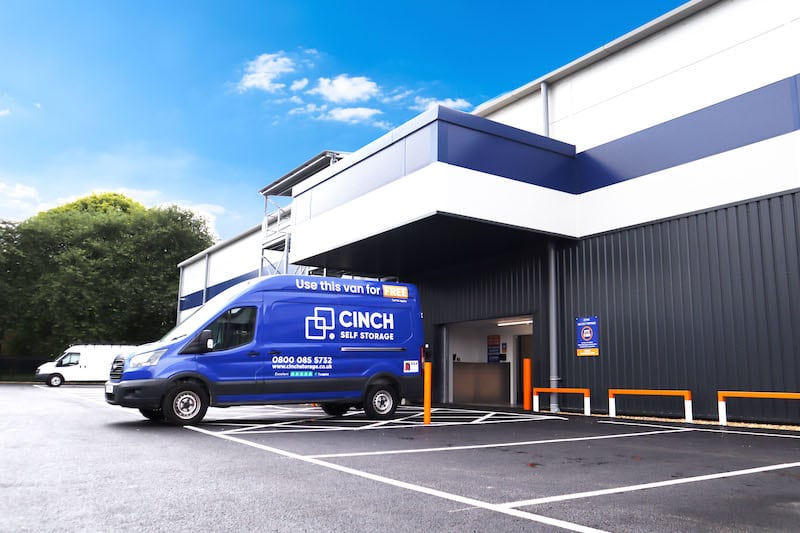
[138, 393]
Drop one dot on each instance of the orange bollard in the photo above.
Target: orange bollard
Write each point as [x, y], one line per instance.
[527, 380]
[427, 393]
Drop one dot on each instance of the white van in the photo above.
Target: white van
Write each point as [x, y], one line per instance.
[81, 362]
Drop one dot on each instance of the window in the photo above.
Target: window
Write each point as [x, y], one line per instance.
[70, 359]
[233, 328]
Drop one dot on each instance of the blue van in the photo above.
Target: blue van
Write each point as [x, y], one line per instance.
[340, 343]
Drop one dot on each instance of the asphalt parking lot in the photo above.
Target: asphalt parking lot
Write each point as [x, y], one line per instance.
[70, 462]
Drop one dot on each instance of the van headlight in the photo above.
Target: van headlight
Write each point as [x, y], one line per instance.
[145, 359]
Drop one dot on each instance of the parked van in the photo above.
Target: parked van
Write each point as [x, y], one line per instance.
[337, 342]
[81, 362]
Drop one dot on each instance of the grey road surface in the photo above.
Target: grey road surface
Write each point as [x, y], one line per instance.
[70, 462]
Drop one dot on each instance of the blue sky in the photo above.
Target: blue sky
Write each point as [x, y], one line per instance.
[203, 103]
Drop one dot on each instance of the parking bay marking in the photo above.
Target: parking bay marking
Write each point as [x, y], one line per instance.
[726, 430]
[498, 445]
[446, 417]
[405, 485]
[644, 486]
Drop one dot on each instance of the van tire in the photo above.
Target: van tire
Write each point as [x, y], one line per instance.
[154, 415]
[55, 380]
[380, 402]
[335, 409]
[186, 403]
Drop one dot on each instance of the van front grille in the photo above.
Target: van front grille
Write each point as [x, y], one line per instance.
[116, 368]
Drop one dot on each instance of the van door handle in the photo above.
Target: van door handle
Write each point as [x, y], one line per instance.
[274, 352]
[253, 354]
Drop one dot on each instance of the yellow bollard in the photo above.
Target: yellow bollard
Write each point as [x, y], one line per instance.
[526, 384]
[427, 393]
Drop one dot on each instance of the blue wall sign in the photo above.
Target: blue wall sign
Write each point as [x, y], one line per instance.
[587, 336]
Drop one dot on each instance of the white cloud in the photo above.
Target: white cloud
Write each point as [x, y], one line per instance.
[343, 98]
[344, 88]
[351, 115]
[424, 104]
[396, 96]
[383, 125]
[294, 99]
[308, 109]
[5, 112]
[16, 199]
[262, 72]
[299, 85]
[148, 176]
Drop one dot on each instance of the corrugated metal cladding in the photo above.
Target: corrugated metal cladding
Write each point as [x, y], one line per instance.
[706, 302]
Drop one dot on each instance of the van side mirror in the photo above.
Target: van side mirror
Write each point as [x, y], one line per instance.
[201, 344]
[206, 339]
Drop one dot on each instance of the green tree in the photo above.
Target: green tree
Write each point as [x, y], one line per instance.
[102, 269]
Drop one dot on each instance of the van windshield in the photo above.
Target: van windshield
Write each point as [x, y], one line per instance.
[207, 312]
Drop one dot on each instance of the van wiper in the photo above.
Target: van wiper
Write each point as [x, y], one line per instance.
[178, 337]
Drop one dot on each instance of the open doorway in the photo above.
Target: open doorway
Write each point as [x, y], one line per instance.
[484, 360]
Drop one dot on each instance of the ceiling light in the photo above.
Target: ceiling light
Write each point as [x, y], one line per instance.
[515, 323]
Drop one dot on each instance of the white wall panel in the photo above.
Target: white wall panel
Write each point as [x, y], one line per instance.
[447, 189]
[525, 114]
[708, 81]
[726, 50]
[193, 277]
[240, 257]
[756, 170]
[759, 169]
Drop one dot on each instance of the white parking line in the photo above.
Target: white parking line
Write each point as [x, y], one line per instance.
[408, 486]
[706, 430]
[499, 445]
[645, 486]
[487, 416]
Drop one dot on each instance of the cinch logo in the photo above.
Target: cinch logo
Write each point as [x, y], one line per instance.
[321, 325]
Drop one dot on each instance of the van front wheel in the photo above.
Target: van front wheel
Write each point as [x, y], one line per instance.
[186, 403]
[55, 380]
[380, 402]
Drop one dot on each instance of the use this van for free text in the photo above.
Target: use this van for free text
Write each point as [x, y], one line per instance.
[340, 343]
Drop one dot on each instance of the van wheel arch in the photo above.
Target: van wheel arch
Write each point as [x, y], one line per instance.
[384, 380]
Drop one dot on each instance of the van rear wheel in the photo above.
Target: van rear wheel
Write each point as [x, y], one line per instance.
[380, 402]
[186, 403]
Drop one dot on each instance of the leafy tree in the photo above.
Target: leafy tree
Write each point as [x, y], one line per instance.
[101, 269]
